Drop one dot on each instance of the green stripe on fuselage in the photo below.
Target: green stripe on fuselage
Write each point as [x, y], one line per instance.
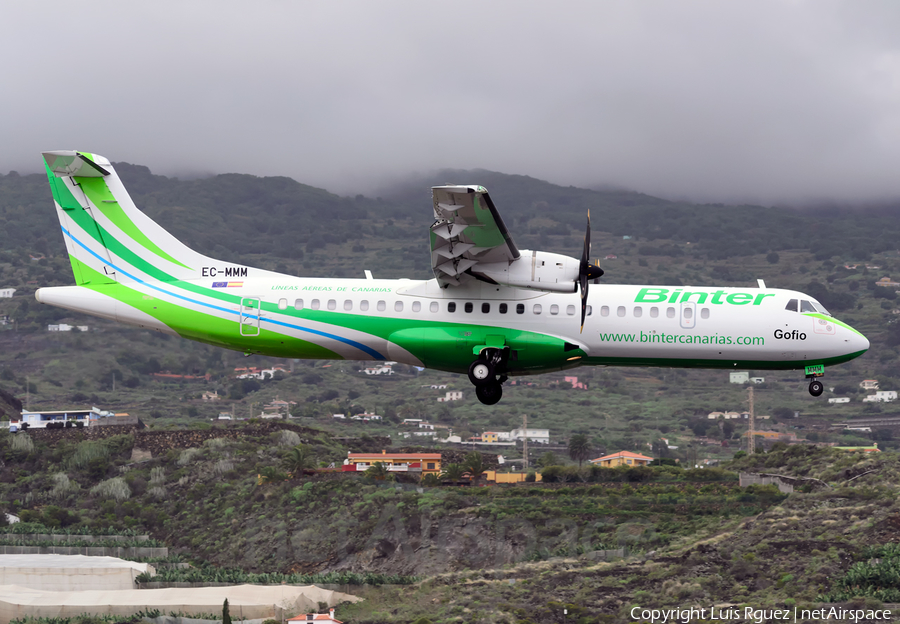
[208, 328]
[710, 363]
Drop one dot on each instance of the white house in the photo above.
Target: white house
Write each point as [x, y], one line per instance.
[383, 369]
[839, 400]
[6, 293]
[63, 327]
[757, 380]
[316, 618]
[416, 434]
[412, 422]
[426, 425]
[869, 384]
[541, 436]
[882, 396]
[739, 377]
[452, 395]
[339, 417]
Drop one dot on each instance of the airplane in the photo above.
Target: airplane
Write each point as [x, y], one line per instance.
[491, 311]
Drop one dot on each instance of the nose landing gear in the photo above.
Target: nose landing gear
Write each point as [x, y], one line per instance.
[816, 388]
[483, 374]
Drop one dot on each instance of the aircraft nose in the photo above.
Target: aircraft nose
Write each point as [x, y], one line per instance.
[862, 343]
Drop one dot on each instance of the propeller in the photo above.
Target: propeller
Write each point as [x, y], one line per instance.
[586, 271]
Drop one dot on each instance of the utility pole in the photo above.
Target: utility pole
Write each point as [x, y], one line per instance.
[525, 439]
[751, 446]
[27, 393]
[114, 381]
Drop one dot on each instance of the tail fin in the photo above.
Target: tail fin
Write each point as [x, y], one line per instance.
[107, 237]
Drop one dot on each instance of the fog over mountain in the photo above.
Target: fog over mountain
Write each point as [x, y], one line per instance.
[762, 102]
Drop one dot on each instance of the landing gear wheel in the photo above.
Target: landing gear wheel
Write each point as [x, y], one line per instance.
[816, 388]
[490, 393]
[481, 372]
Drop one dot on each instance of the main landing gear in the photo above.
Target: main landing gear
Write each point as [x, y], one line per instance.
[484, 371]
[816, 387]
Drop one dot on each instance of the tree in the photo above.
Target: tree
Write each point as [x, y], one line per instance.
[579, 448]
[475, 464]
[226, 616]
[298, 460]
[452, 472]
[772, 258]
[548, 459]
[379, 471]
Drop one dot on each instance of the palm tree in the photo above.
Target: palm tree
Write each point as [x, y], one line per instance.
[269, 474]
[579, 448]
[452, 472]
[298, 460]
[475, 464]
[378, 471]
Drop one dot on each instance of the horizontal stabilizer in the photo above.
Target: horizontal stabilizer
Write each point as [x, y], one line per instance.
[67, 163]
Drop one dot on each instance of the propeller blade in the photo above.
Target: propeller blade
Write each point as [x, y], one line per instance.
[587, 271]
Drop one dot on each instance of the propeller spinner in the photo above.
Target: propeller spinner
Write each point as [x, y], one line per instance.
[586, 271]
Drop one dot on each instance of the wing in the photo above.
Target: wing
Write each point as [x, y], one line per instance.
[467, 232]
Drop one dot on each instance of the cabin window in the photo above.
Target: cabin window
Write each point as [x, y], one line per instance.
[469, 307]
[604, 310]
[298, 304]
[364, 305]
[503, 308]
[554, 309]
[348, 305]
[638, 311]
[382, 306]
[791, 305]
[416, 306]
[282, 304]
[537, 308]
[670, 312]
[570, 310]
[314, 304]
[398, 306]
[806, 306]
[620, 311]
[589, 310]
[520, 308]
[688, 313]
[451, 307]
[332, 304]
[435, 306]
[485, 308]
[704, 313]
[654, 312]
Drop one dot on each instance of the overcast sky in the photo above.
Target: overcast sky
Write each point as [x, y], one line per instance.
[714, 101]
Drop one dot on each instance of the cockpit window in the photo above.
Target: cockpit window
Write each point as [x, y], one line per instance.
[792, 305]
[806, 306]
[821, 308]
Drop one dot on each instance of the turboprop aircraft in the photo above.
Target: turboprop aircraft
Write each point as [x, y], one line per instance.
[492, 310]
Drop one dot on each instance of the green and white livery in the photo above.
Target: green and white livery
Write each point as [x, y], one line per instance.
[492, 310]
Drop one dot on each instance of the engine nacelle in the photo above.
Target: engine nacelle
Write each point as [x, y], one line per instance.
[536, 270]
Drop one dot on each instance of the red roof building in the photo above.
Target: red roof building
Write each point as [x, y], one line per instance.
[321, 618]
[395, 462]
[622, 458]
